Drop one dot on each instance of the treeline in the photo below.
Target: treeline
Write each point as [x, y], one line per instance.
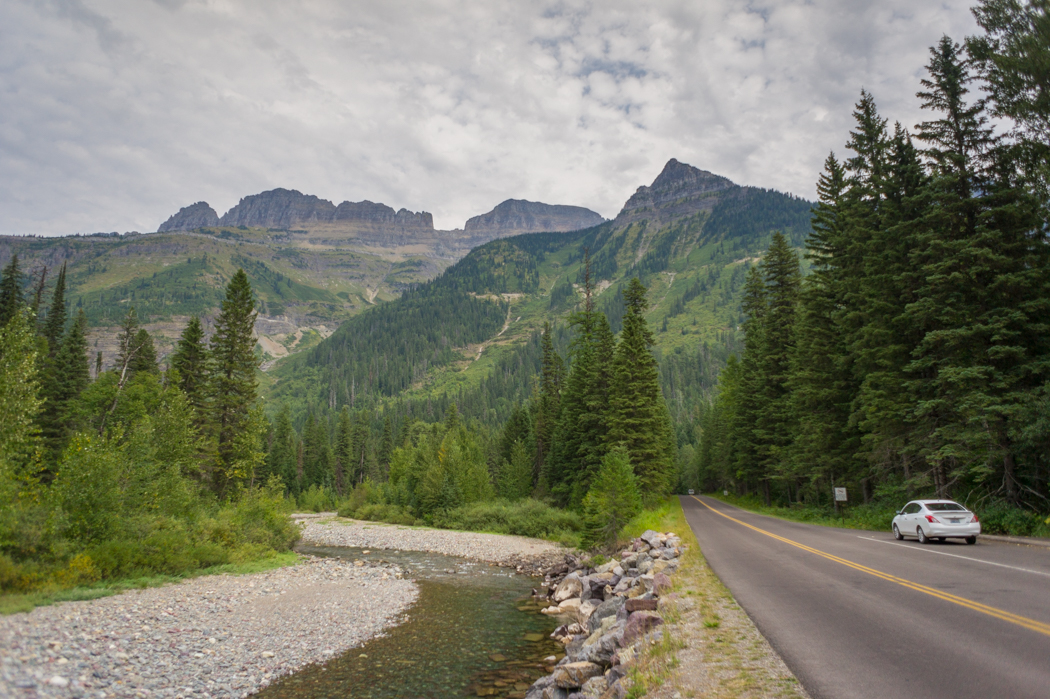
[136, 471]
[915, 358]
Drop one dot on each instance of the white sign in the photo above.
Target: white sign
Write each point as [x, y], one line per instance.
[725, 492]
[840, 495]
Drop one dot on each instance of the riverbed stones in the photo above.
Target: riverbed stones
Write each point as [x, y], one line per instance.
[606, 609]
[573, 675]
[568, 588]
[639, 624]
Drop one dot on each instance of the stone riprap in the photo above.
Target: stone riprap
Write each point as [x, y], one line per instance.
[613, 611]
[514, 551]
[213, 636]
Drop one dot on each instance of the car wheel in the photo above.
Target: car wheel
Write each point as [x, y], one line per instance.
[971, 540]
[923, 539]
[897, 533]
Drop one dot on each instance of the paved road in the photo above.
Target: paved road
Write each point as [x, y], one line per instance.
[858, 614]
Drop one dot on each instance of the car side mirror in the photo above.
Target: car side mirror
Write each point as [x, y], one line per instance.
[900, 512]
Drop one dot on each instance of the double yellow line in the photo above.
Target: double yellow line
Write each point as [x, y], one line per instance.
[1002, 614]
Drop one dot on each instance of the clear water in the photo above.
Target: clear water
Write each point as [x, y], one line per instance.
[473, 631]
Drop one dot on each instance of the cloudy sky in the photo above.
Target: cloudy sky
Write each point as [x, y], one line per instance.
[115, 113]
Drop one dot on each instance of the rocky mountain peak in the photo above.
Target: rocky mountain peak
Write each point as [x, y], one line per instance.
[192, 217]
[516, 216]
[678, 190]
[278, 208]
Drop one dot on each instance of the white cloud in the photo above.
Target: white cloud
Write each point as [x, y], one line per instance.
[117, 112]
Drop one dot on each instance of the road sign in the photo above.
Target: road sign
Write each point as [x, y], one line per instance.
[840, 495]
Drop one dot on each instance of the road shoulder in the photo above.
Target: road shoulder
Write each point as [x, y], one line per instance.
[710, 647]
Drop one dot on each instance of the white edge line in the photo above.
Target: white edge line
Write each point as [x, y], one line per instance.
[954, 555]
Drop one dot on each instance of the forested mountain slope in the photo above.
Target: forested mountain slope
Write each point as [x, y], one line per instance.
[471, 335]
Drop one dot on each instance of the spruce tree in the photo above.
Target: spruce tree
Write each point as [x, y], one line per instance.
[745, 447]
[55, 322]
[145, 359]
[11, 294]
[233, 381]
[281, 459]
[552, 374]
[637, 420]
[66, 377]
[983, 300]
[612, 500]
[190, 359]
[344, 451]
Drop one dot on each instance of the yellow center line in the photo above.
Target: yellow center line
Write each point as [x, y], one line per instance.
[1002, 614]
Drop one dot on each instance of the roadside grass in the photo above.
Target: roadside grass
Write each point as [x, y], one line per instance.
[867, 517]
[24, 602]
[710, 647]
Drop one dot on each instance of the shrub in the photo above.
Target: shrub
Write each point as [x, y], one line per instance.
[523, 518]
[612, 500]
[1012, 521]
[317, 498]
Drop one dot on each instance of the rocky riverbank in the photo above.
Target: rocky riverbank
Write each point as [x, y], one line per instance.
[614, 611]
[529, 556]
[214, 636]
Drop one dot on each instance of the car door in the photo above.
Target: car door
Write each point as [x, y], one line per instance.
[908, 520]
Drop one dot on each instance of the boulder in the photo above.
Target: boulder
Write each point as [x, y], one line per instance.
[645, 563]
[606, 567]
[572, 675]
[572, 604]
[593, 688]
[569, 587]
[588, 607]
[650, 537]
[639, 605]
[639, 624]
[606, 609]
[601, 651]
[661, 584]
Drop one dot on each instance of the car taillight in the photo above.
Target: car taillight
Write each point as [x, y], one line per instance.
[931, 518]
[974, 518]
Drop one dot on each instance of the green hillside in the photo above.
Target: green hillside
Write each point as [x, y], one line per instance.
[472, 335]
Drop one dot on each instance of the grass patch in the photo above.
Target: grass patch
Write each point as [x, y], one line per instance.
[27, 601]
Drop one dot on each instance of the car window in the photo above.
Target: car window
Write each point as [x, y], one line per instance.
[944, 507]
[912, 508]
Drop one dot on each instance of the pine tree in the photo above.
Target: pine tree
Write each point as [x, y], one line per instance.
[386, 442]
[281, 459]
[67, 375]
[548, 404]
[515, 474]
[55, 322]
[145, 359]
[317, 453]
[19, 397]
[745, 444]
[11, 295]
[345, 465]
[637, 420]
[611, 501]
[190, 359]
[233, 382]
[983, 301]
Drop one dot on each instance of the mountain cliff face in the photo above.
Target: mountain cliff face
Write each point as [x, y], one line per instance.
[382, 215]
[679, 190]
[516, 216]
[278, 208]
[192, 217]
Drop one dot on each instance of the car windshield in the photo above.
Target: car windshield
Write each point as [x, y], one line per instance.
[944, 507]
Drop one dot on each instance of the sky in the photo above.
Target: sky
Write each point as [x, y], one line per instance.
[116, 113]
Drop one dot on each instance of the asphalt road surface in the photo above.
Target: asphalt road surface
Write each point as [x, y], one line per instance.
[858, 614]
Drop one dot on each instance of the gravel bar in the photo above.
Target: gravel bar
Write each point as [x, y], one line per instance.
[491, 548]
[213, 636]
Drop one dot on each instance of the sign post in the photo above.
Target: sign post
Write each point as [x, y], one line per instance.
[840, 496]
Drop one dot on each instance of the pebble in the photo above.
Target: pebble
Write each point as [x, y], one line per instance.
[217, 636]
[491, 548]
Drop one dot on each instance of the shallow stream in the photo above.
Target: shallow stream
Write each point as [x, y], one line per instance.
[473, 631]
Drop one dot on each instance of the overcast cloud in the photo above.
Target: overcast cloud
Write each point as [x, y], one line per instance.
[115, 114]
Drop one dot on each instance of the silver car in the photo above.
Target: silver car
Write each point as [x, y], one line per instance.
[936, 519]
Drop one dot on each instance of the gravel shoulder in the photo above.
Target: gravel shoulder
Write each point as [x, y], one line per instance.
[219, 636]
[491, 548]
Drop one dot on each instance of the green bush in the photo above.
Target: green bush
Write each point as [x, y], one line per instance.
[317, 498]
[523, 517]
[382, 512]
[612, 501]
[1011, 521]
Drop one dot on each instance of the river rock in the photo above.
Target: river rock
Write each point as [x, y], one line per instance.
[593, 688]
[638, 605]
[573, 675]
[569, 587]
[606, 567]
[639, 624]
[607, 608]
[650, 537]
[661, 584]
[570, 605]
